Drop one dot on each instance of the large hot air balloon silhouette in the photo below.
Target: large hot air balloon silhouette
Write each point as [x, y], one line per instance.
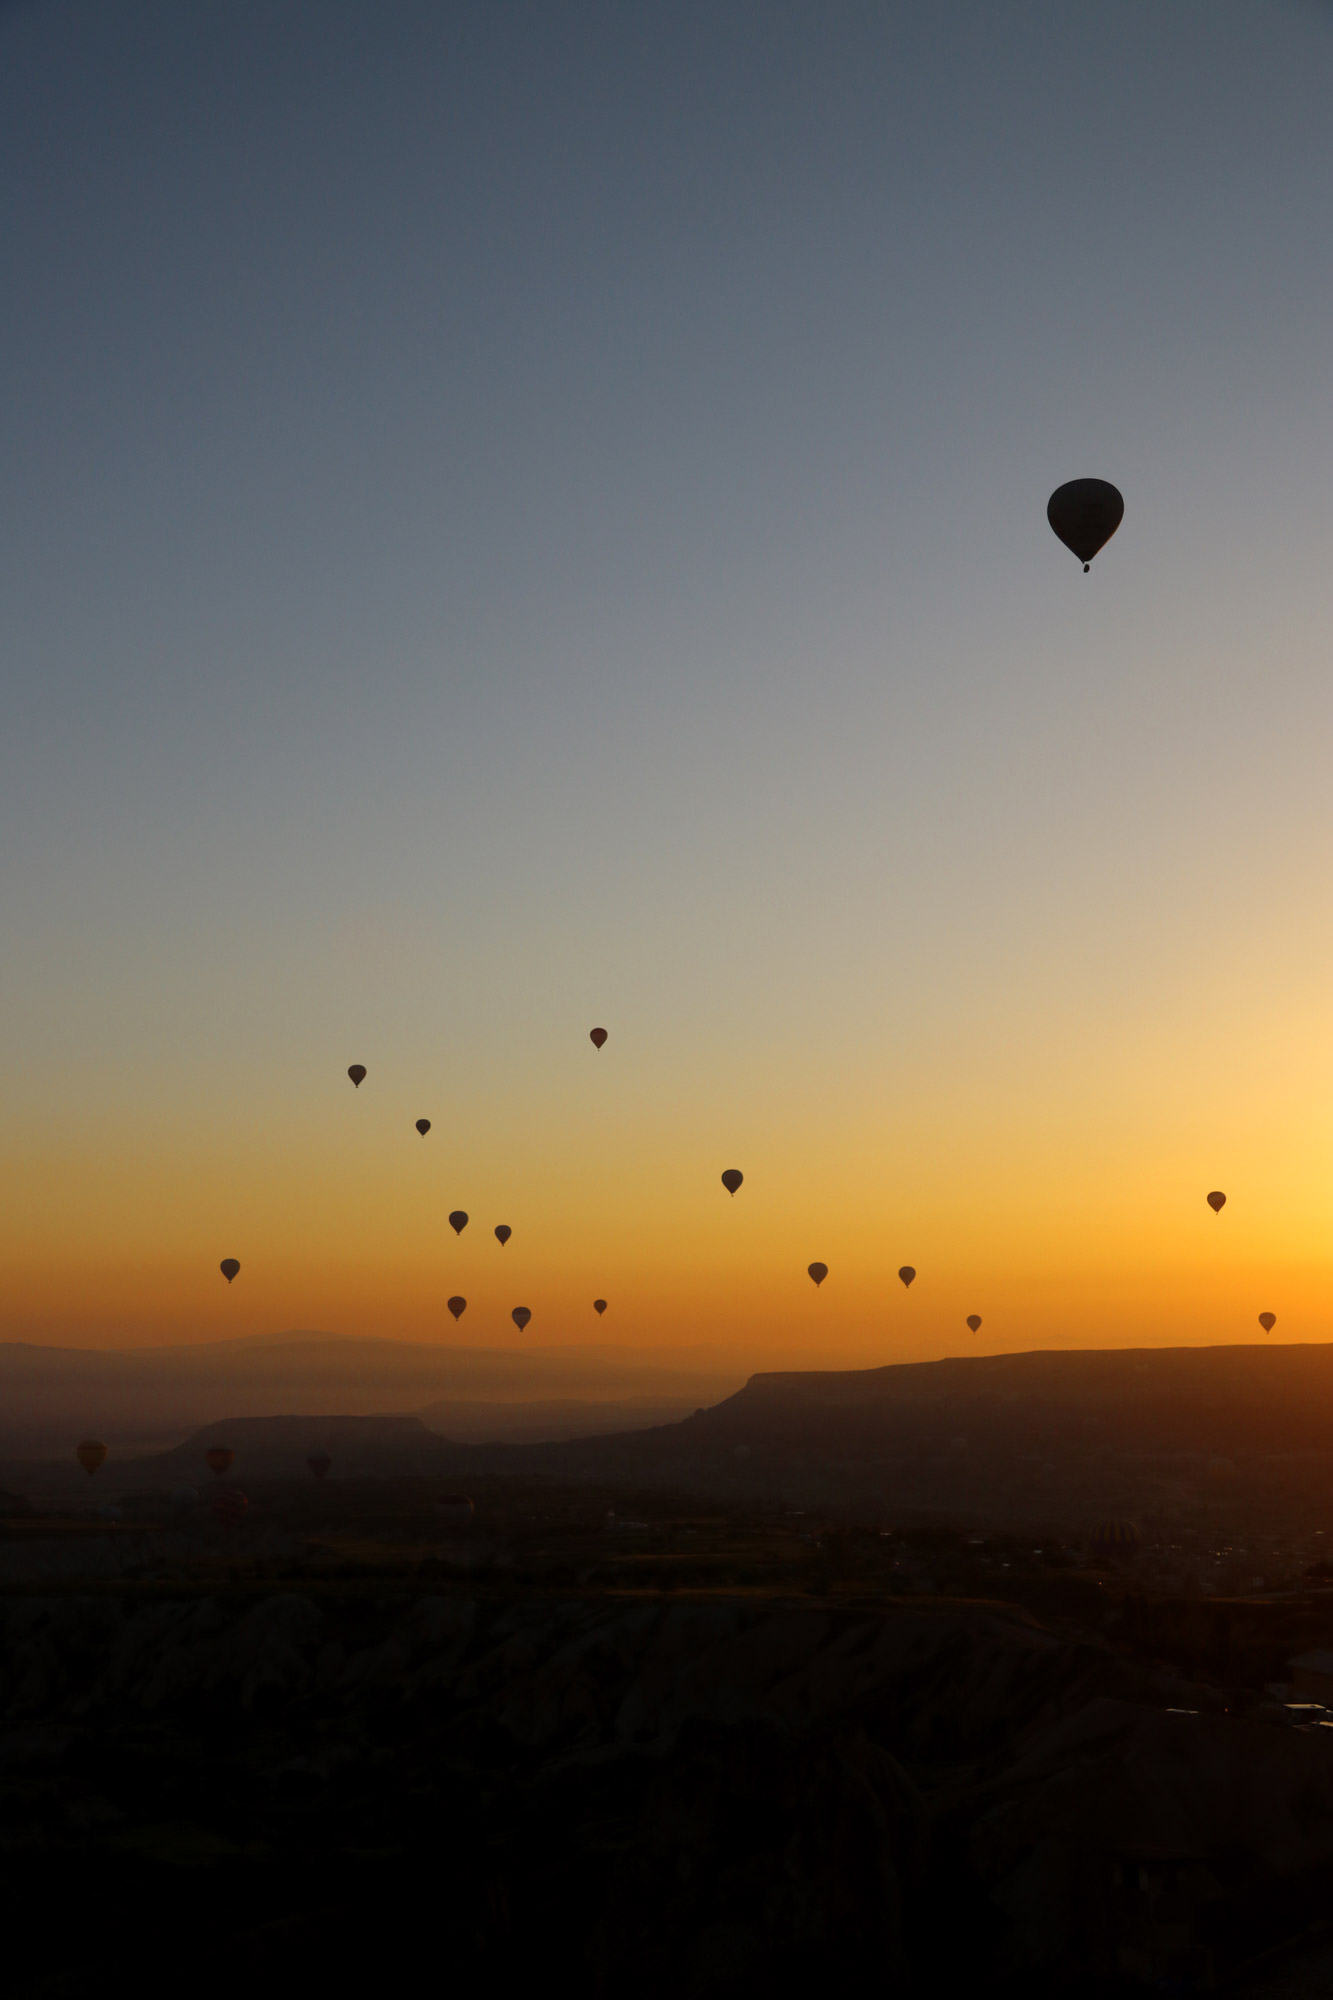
[458, 1220]
[1217, 1201]
[732, 1179]
[974, 1322]
[502, 1233]
[818, 1272]
[1268, 1321]
[319, 1463]
[229, 1505]
[229, 1267]
[599, 1307]
[218, 1458]
[357, 1072]
[597, 1036]
[907, 1274]
[1085, 513]
[455, 1509]
[423, 1126]
[457, 1306]
[1112, 1539]
[520, 1316]
[90, 1455]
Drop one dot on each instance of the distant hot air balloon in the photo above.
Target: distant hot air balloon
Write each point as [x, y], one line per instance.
[90, 1455]
[455, 1509]
[319, 1463]
[229, 1505]
[974, 1322]
[818, 1272]
[1268, 1321]
[1085, 513]
[357, 1072]
[218, 1458]
[732, 1179]
[1111, 1539]
[1217, 1201]
[457, 1306]
[520, 1316]
[599, 1307]
[502, 1233]
[423, 1126]
[229, 1267]
[597, 1036]
[458, 1220]
[907, 1274]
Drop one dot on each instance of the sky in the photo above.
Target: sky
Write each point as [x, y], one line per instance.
[523, 518]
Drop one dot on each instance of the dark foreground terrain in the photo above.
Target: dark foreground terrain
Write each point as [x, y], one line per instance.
[681, 1747]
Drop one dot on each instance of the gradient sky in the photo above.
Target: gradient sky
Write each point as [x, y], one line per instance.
[519, 517]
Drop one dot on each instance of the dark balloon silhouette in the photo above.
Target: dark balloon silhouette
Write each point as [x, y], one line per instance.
[458, 1220]
[1110, 1539]
[423, 1126]
[229, 1267]
[218, 1458]
[502, 1233]
[229, 1506]
[818, 1272]
[319, 1463]
[1085, 513]
[1217, 1201]
[907, 1274]
[357, 1073]
[732, 1179]
[597, 1036]
[974, 1321]
[599, 1307]
[520, 1316]
[455, 1509]
[90, 1455]
[457, 1306]
[1268, 1321]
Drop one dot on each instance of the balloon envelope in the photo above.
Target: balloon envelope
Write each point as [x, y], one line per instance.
[229, 1267]
[503, 1233]
[907, 1274]
[90, 1455]
[319, 1463]
[457, 1306]
[458, 1220]
[599, 1307]
[1114, 1538]
[217, 1458]
[520, 1316]
[423, 1126]
[818, 1272]
[597, 1036]
[357, 1072]
[1268, 1321]
[455, 1509]
[974, 1321]
[229, 1505]
[1217, 1201]
[1085, 513]
[732, 1179]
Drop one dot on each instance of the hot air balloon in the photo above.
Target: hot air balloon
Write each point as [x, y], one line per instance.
[1085, 513]
[599, 1307]
[457, 1306]
[217, 1458]
[229, 1505]
[1268, 1321]
[732, 1179]
[907, 1274]
[818, 1272]
[520, 1316]
[319, 1463]
[1112, 1539]
[423, 1126]
[974, 1322]
[357, 1072]
[597, 1036]
[90, 1455]
[458, 1220]
[1217, 1201]
[502, 1233]
[229, 1267]
[454, 1509]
